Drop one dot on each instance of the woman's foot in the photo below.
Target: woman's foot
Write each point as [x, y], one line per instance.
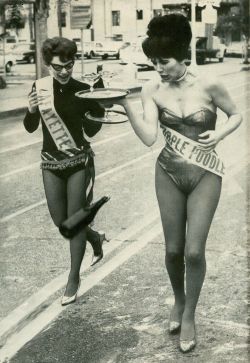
[188, 335]
[96, 244]
[71, 291]
[175, 318]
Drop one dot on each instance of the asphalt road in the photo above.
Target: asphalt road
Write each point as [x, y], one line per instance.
[122, 311]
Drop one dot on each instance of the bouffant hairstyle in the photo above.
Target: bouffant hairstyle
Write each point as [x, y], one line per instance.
[169, 36]
[64, 48]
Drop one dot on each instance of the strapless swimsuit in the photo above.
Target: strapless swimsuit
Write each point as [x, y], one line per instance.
[184, 174]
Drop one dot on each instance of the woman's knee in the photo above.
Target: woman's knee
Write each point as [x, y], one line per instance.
[58, 220]
[194, 256]
[174, 255]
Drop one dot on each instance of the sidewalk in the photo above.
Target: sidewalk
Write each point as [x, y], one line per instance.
[14, 98]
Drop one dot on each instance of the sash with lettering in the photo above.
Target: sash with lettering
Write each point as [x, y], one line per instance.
[52, 120]
[191, 151]
[60, 133]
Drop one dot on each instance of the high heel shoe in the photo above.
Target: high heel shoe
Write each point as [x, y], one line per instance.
[66, 300]
[187, 345]
[97, 247]
[174, 327]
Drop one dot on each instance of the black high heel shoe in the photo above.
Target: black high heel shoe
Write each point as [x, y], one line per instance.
[97, 247]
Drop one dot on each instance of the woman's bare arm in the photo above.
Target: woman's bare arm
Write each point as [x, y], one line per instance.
[146, 125]
[222, 100]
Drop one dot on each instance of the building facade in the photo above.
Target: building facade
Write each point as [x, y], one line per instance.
[123, 20]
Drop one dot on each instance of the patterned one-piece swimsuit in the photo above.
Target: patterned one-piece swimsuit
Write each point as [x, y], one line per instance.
[185, 174]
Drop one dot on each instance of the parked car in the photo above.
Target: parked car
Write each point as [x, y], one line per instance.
[9, 42]
[87, 47]
[133, 53]
[7, 60]
[236, 50]
[106, 49]
[218, 50]
[99, 49]
[24, 52]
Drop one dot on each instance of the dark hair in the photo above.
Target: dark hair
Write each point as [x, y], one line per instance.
[169, 36]
[58, 46]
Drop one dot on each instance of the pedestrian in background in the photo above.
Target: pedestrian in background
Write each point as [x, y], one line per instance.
[67, 158]
[188, 172]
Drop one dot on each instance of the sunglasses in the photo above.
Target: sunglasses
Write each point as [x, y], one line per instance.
[59, 68]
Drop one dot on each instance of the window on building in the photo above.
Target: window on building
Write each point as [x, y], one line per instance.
[139, 14]
[198, 12]
[118, 37]
[157, 12]
[63, 19]
[116, 18]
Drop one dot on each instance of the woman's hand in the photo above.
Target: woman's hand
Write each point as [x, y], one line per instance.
[33, 101]
[209, 139]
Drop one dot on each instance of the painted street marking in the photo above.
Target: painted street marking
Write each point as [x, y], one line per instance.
[33, 165]
[110, 171]
[19, 146]
[11, 323]
[31, 143]
[16, 171]
[17, 340]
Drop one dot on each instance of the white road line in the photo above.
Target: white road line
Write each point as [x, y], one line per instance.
[228, 325]
[21, 211]
[34, 165]
[110, 171]
[31, 143]
[13, 132]
[16, 341]
[28, 143]
[101, 142]
[120, 167]
[19, 146]
[12, 322]
[16, 171]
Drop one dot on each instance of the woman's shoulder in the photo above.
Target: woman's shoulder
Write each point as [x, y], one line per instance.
[150, 86]
[206, 79]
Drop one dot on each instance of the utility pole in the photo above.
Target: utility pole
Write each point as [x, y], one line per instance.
[193, 41]
[59, 16]
[41, 13]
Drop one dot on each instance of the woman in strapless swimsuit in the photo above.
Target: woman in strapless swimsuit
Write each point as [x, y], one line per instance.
[188, 187]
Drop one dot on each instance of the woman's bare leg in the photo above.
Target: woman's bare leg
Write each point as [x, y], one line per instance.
[56, 195]
[76, 193]
[201, 206]
[172, 204]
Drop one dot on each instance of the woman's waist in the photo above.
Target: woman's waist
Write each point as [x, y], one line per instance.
[191, 132]
[60, 155]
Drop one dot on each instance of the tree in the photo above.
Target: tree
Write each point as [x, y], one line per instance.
[244, 6]
[229, 23]
[41, 13]
[15, 19]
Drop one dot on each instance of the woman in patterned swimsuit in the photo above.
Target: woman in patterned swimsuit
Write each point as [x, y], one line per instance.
[187, 194]
[67, 173]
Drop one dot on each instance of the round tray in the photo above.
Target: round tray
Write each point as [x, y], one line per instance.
[111, 117]
[103, 94]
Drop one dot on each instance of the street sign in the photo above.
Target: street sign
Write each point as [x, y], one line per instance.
[209, 15]
[80, 16]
